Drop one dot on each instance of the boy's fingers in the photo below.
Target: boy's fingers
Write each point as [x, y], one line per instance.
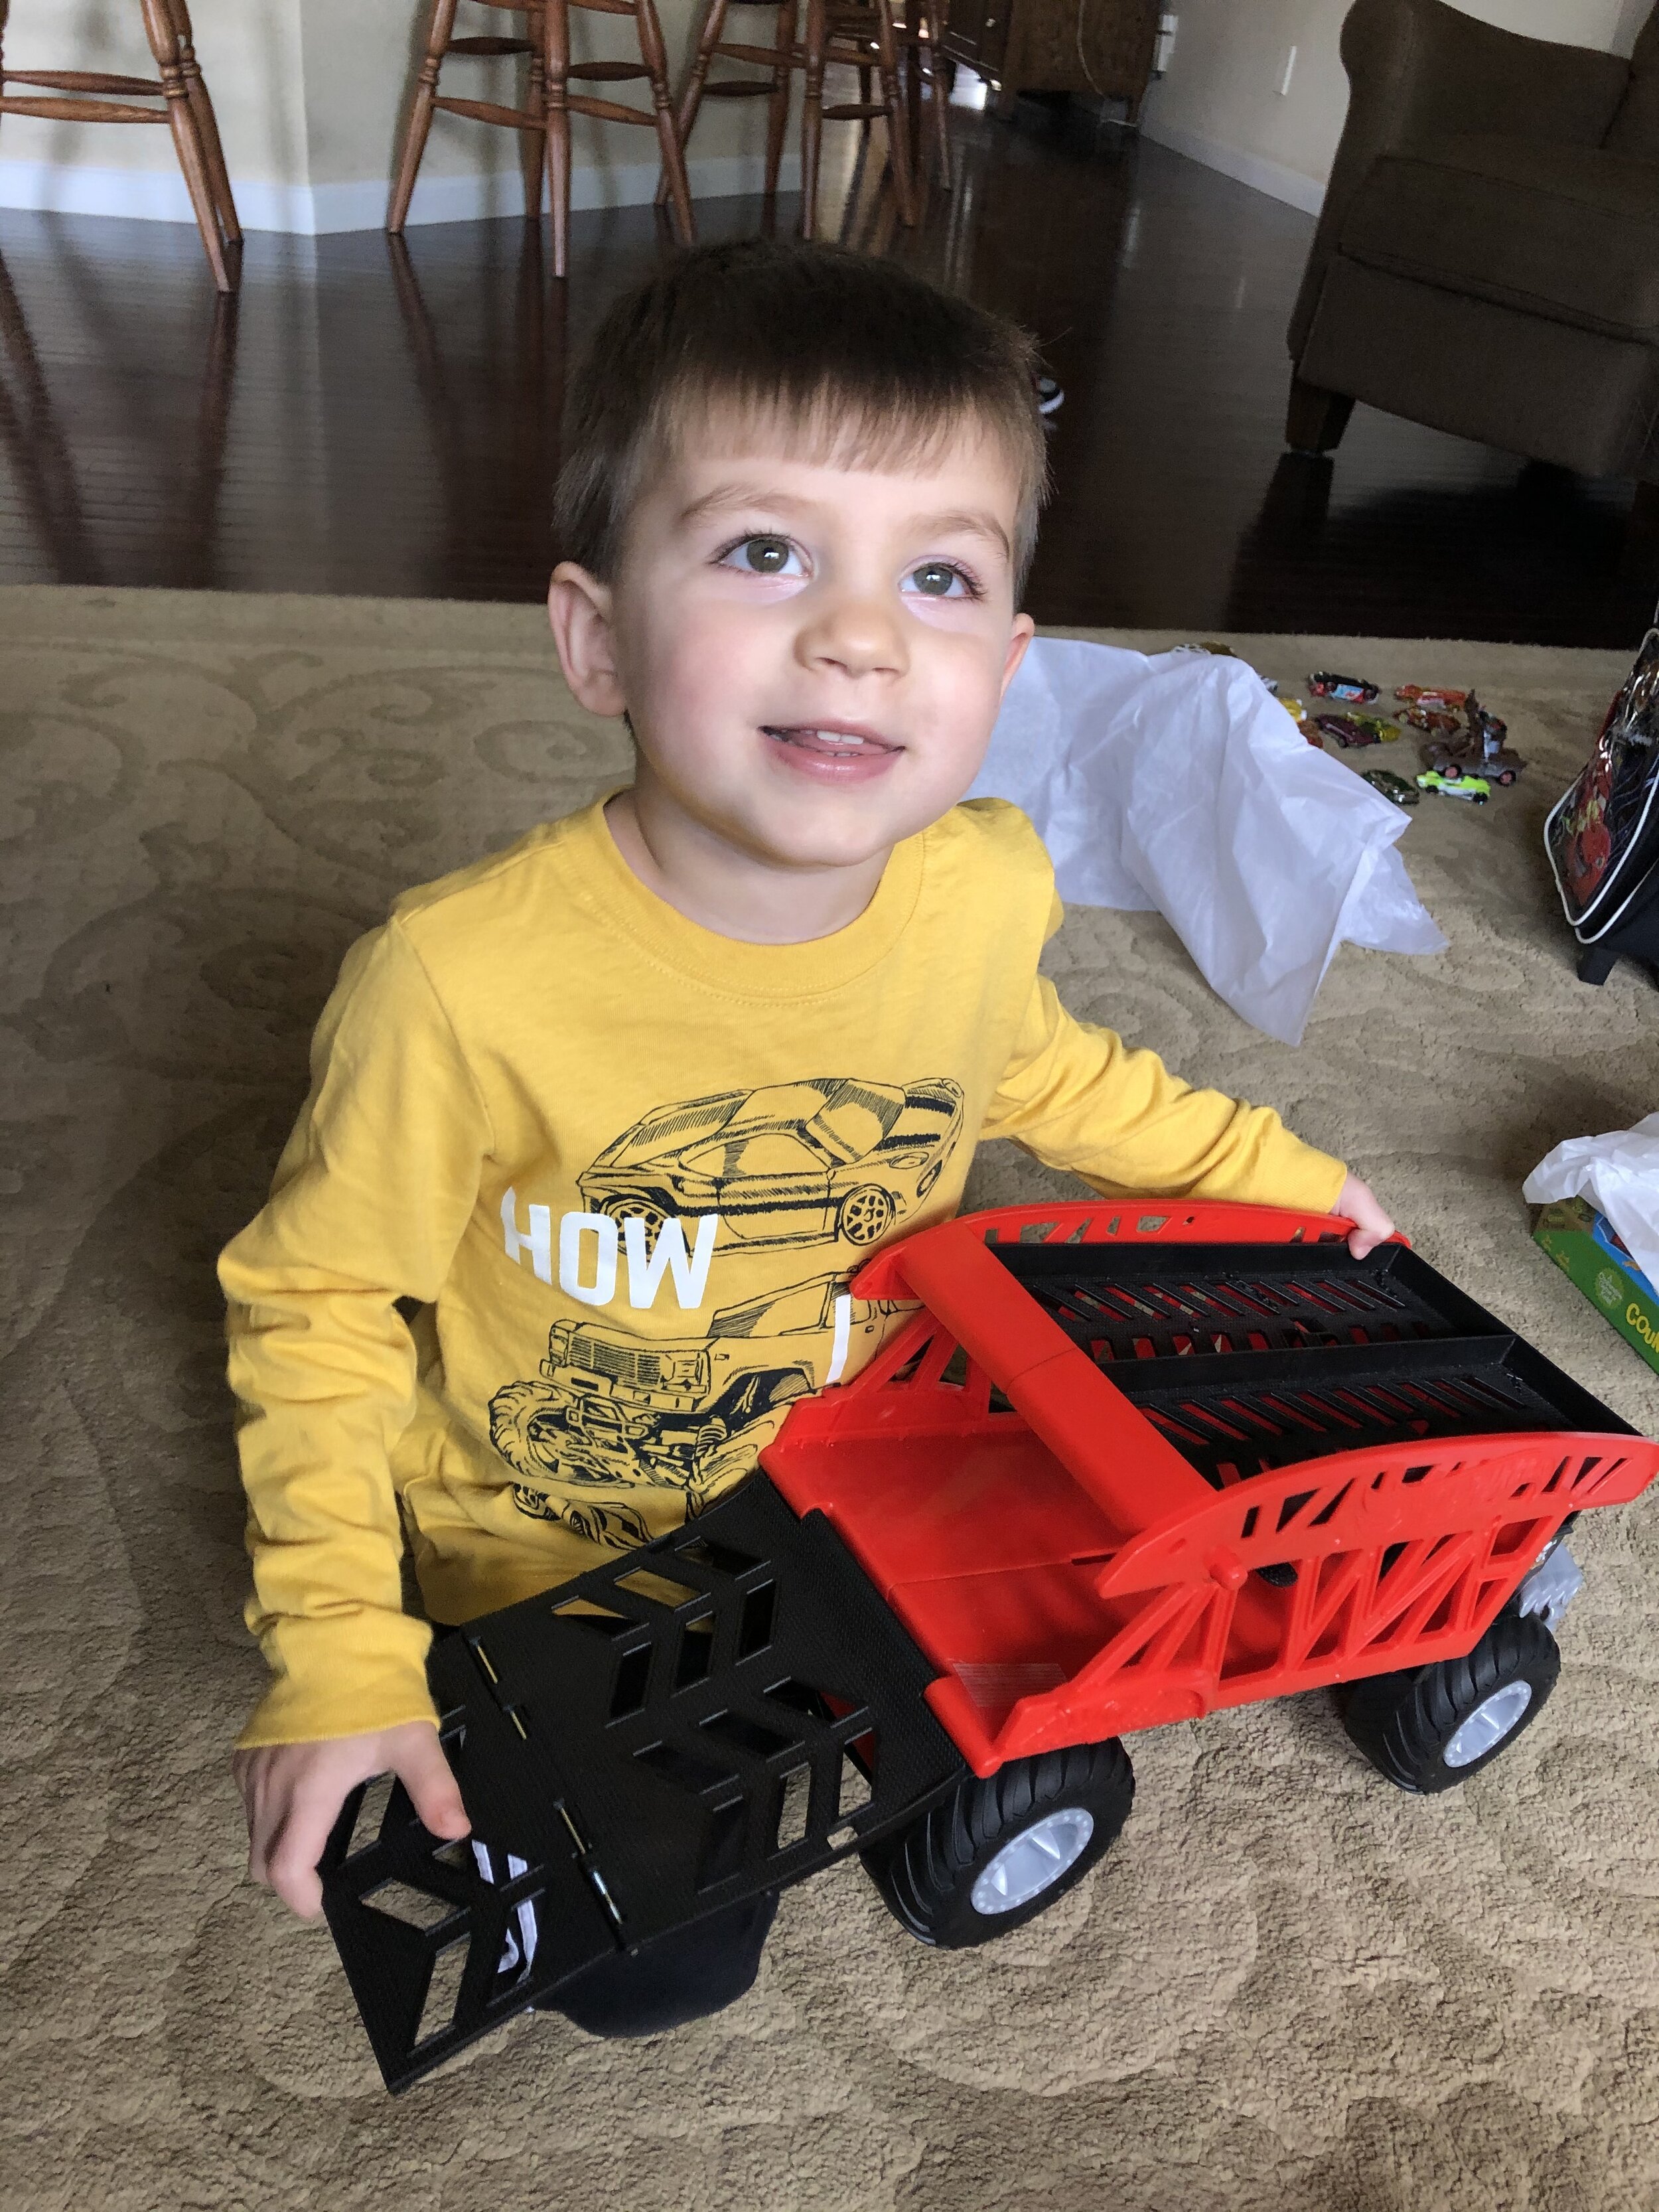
[291, 1867]
[430, 1781]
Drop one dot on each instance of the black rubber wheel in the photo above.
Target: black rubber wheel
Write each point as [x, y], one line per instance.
[1408, 1723]
[1068, 1805]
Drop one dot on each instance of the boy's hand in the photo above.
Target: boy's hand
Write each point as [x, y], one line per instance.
[293, 1793]
[1371, 1226]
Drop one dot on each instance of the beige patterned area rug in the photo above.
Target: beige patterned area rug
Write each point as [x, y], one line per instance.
[1290, 1989]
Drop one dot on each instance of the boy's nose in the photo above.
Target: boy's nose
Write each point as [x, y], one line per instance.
[858, 634]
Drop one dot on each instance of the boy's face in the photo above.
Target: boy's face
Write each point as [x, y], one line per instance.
[812, 656]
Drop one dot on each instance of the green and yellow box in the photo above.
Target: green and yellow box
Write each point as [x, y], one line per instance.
[1580, 1243]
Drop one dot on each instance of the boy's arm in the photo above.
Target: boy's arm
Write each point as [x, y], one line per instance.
[1076, 1096]
[372, 1195]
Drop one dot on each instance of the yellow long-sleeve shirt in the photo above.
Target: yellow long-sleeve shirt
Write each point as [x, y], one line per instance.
[626, 1167]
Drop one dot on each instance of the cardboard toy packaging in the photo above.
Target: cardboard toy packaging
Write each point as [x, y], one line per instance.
[1582, 1243]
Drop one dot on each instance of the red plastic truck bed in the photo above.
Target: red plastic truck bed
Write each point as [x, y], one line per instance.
[1124, 1466]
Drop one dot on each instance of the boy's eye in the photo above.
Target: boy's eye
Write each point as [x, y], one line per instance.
[763, 556]
[938, 580]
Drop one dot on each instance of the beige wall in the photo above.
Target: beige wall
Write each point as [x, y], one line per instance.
[1221, 100]
[310, 96]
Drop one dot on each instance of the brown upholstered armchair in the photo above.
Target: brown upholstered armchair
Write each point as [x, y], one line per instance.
[1487, 260]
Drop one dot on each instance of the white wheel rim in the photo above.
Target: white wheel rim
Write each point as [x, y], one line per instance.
[1492, 1719]
[1034, 1861]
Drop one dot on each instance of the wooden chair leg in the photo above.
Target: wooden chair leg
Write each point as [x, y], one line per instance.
[777, 107]
[439, 25]
[910, 77]
[532, 143]
[556, 51]
[186, 140]
[939, 90]
[655, 57]
[709, 34]
[207, 124]
[812, 118]
[904, 189]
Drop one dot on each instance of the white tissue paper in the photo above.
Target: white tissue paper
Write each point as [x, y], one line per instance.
[1618, 1172]
[1179, 782]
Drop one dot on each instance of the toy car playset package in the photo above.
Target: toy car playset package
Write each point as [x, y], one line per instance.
[1602, 837]
[1127, 1463]
[1587, 1249]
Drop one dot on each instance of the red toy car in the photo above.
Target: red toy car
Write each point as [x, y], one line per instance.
[1350, 730]
[1129, 1462]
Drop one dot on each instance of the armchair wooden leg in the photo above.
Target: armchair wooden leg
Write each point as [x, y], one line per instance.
[1638, 556]
[1316, 418]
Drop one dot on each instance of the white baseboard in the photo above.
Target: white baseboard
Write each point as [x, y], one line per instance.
[313, 210]
[1252, 169]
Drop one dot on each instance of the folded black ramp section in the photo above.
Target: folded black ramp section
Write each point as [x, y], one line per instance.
[433, 1952]
[723, 1712]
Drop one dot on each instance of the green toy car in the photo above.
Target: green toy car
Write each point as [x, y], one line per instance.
[1475, 789]
[1392, 785]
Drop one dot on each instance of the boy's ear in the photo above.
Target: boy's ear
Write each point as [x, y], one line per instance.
[1024, 630]
[579, 609]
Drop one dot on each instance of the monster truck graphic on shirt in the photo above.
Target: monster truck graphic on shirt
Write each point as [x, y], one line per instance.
[614, 1413]
[791, 1163]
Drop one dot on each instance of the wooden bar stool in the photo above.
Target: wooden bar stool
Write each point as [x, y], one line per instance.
[840, 33]
[101, 96]
[550, 103]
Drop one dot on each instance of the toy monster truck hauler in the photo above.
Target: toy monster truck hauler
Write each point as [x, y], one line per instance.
[1122, 1466]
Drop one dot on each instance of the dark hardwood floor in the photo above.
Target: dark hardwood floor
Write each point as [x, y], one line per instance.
[369, 418]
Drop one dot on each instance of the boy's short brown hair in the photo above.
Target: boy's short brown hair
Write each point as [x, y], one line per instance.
[866, 362]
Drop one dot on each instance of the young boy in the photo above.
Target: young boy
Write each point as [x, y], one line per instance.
[624, 1106]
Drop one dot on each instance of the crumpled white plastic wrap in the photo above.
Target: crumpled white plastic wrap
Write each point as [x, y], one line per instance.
[1178, 782]
[1618, 1172]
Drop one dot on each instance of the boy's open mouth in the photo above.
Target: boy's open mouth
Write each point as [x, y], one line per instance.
[829, 741]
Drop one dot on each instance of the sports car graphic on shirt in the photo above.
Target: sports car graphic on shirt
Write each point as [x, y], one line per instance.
[791, 1163]
[613, 1414]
